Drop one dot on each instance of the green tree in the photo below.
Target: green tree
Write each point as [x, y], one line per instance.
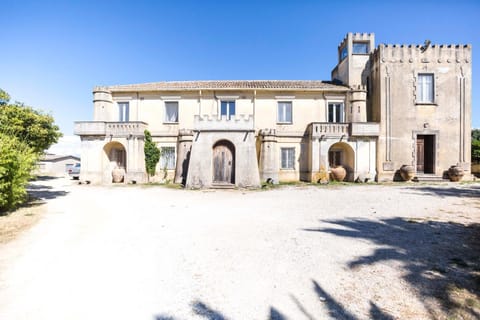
[475, 134]
[4, 98]
[24, 135]
[476, 146]
[17, 161]
[30, 126]
[152, 154]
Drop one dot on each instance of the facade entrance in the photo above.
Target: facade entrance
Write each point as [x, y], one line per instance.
[341, 154]
[224, 162]
[426, 153]
[115, 157]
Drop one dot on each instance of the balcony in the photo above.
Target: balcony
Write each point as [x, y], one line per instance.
[345, 130]
[115, 129]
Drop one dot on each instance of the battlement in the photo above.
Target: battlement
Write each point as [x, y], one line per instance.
[423, 53]
[100, 89]
[100, 95]
[357, 36]
[358, 87]
[185, 132]
[268, 132]
[212, 122]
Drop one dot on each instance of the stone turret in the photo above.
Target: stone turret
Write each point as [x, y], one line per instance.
[184, 148]
[353, 59]
[358, 104]
[102, 103]
[268, 163]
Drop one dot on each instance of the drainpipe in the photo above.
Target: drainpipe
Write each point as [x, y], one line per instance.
[200, 103]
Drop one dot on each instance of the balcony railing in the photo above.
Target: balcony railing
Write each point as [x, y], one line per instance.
[103, 128]
[337, 130]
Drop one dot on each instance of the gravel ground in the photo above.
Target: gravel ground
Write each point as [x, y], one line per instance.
[404, 251]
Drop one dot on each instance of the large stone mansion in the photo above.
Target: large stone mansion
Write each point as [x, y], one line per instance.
[385, 107]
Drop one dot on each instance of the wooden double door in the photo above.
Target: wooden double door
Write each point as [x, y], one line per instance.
[224, 163]
[426, 153]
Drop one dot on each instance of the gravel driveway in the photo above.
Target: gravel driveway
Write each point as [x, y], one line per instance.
[403, 251]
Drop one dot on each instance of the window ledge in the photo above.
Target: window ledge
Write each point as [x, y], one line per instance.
[287, 169]
[283, 123]
[426, 103]
[170, 122]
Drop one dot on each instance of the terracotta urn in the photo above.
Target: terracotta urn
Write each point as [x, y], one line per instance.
[407, 172]
[455, 173]
[118, 174]
[338, 173]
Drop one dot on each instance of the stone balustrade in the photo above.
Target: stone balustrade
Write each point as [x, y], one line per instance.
[115, 129]
[338, 130]
[328, 129]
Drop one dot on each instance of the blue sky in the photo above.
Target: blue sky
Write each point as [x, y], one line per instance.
[54, 52]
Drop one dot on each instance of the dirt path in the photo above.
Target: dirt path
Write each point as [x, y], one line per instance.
[357, 252]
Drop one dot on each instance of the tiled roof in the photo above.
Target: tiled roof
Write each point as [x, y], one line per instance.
[229, 85]
[56, 157]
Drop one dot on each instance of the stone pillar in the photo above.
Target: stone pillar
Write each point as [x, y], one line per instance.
[314, 159]
[358, 104]
[268, 165]
[136, 172]
[184, 148]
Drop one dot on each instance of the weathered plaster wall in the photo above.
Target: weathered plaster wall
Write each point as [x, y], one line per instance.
[395, 72]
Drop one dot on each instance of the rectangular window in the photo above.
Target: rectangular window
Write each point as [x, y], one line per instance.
[360, 48]
[343, 53]
[171, 111]
[425, 89]
[227, 109]
[336, 112]
[123, 111]
[288, 158]
[284, 114]
[167, 158]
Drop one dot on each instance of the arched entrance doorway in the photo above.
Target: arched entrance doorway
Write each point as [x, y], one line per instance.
[223, 162]
[341, 154]
[115, 159]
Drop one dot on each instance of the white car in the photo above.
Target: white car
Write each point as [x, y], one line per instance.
[74, 172]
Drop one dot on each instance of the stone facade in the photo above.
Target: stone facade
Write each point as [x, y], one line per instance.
[442, 125]
[368, 119]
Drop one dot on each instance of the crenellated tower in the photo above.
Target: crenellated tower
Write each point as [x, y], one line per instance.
[353, 59]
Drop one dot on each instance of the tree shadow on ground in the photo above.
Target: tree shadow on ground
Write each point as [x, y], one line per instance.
[334, 308]
[36, 196]
[440, 259]
[44, 178]
[469, 191]
[199, 308]
[42, 192]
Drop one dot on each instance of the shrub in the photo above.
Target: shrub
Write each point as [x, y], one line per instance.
[152, 154]
[17, 161]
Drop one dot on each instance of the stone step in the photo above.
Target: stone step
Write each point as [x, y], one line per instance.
[429, 178]
[222, 186]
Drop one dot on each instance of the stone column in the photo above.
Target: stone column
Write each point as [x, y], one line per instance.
[268, 165]
[184, 147]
